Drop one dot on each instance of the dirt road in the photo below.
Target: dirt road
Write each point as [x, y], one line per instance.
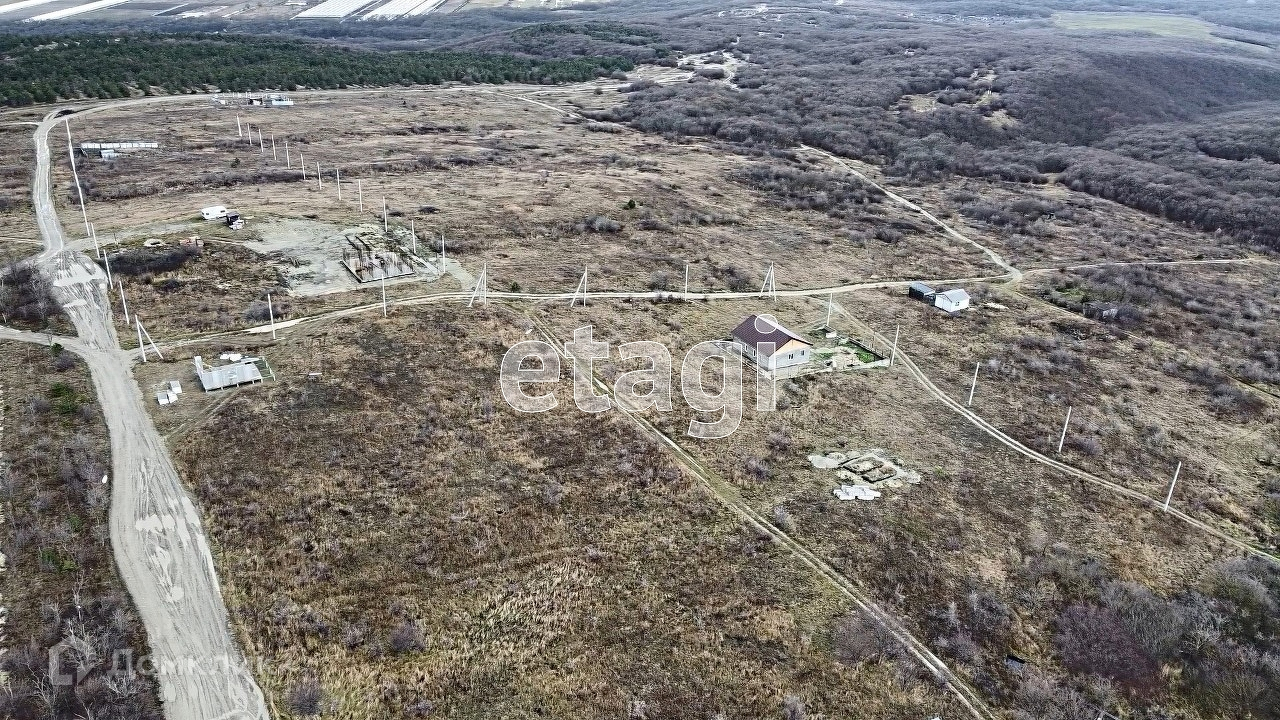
[156, 534]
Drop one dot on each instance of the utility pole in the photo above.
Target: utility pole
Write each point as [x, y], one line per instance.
[769, 285]
[93, 232]
[273, 147]
[384, 214]
[1169, 497]
[582, 289]
[319, 178]
[974, 386]
[141, 347]
[71, 153]
[830, 299]
[262, 146]
[337, 180]
[686, 281]
[1065, 425]
[123, 303]
[481, 290]
[239, 131]
[271, 315]
[360, 194]
[384, 295]
[302, 163]
[893, 354]
[287, 162]
[106, 260]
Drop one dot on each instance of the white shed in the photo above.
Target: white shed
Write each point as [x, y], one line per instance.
[952, 300]
[767, 344]
[216, 212]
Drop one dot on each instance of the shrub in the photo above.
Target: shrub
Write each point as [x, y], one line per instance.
[1095, 640]
[406, 638]
[857, 638]
[306, 698]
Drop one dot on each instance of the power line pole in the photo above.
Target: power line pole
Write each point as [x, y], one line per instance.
[893, 354]
[71, 153]
[273, 147]
[973, 387]
[582, 289]
[481, 290]
[271, 315]
[769, 286]
[1169, 497]
[1065, 425]
[123, 303]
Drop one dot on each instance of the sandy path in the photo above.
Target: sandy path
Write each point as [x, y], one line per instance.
[156, 533]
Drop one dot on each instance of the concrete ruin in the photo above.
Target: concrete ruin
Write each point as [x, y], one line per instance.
[369, 265]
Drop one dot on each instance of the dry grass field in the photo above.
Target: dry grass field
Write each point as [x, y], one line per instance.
[399, 535]
[534, 194]
[985, 552]
[394, 538]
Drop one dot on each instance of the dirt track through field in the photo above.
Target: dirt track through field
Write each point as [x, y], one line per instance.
[159, 544]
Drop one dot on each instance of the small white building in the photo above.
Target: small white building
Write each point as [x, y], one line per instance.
[769, 345]
[952, 300]
[243, 372]
[215, 212]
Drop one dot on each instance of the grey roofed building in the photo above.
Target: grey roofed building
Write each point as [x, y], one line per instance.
[225, 376]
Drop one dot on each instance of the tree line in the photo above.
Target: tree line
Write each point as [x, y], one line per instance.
[48, 68]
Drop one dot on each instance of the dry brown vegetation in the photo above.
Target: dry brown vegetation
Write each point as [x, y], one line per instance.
[394, 540]
[633, 208]
[986, 553]
[59, 581]
[424, 548]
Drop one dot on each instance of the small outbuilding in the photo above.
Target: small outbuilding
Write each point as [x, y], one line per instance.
[237, 373]
[952, 301]
[920, 291]
[766, 343]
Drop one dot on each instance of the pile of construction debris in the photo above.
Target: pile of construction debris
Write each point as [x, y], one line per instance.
[864, 476]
